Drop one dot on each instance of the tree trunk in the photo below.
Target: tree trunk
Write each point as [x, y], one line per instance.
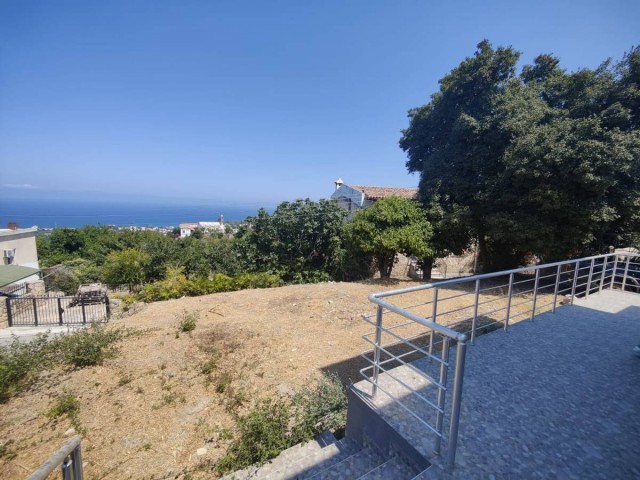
[426, 265]
[385, 265]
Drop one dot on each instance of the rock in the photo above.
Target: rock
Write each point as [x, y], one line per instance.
[201, 452]
[70, 432]
[285, 391]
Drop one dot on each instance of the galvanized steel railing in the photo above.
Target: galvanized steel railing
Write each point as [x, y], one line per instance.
[68, 457]
[467, 307]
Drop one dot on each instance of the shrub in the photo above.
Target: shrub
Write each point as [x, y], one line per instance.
[20, 363]
[187, 321]
[62, 279]
[262, 434]
[66, 404]
[274, 425]
[87, 347]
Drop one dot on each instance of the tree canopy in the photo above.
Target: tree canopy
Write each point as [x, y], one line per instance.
[543, 162]
[389, 226]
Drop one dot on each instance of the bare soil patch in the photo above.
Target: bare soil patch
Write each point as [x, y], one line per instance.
[146, 412]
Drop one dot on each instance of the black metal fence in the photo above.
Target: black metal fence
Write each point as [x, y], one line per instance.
[15, 290]
[42, 311]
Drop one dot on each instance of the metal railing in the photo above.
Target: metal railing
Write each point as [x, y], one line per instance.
[68, 457]
[455, 312]
[50, 311]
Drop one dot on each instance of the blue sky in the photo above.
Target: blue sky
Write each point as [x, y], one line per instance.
[250, 102]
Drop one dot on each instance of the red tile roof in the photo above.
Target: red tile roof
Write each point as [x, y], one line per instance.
[376, 193]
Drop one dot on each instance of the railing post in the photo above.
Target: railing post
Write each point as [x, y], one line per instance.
[456, 400]
[9, 313]
[575, 281]
[615, 269]
[35, 311]
[475, 313]
[76, 458]
[444, 368]
[535, 293]
[626, 272]
[555, 289]
[605, 261]
[376, 351]
[434, 313]
[589, 278]
[509, 297]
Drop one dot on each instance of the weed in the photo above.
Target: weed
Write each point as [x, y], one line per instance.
[21, 362]
[124, 380]
[139, 390]
[222, 381]
[6, 452]
[67, 405]
[146, 447]
[187, 321]
[209, 366]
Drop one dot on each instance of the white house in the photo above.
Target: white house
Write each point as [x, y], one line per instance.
[186, 229]
[354, 197]
[19, 254]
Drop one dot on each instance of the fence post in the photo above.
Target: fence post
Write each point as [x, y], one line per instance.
[605, 261]
[626, 272]
[60, 310]
[475, 313]
[107, 307]
[444, 367]
[535, 294]
[376, 351]
[615, 269]
[555, 289]
[84, 314]
[434, 312]
[575, 281]
[9, 314]
[509, 297]
[35, 311]
[593, 260]
[455, 403]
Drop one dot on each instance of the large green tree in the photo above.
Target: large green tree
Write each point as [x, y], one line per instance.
[545, 162]
[126, 267]
[390, 226]
[299, 242]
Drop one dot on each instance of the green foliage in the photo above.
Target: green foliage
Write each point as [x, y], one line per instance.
[274, 425]
[126, 267]
[176, 285]
[389, 226]
[545, 162]
[20, 362]
[300, 239]
[262, 434]
[87, 347]
[62, 279]
[187, 321]
[67, 405]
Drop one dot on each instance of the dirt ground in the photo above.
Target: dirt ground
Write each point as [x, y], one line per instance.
[147, 412]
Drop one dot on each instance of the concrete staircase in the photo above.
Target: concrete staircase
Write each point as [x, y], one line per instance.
[327, 458]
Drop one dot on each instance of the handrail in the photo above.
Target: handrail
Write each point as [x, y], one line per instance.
[598, 271]
[71, 467]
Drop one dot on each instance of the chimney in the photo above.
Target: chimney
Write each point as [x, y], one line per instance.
[338, 183]
[12, 226]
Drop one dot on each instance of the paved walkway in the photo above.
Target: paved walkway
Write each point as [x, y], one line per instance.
[557, 397]
[26, 334]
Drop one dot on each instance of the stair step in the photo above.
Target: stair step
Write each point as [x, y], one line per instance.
[395, 468]
[313, 463]
[351, 467]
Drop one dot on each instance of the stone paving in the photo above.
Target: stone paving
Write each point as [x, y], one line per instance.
[556, 397]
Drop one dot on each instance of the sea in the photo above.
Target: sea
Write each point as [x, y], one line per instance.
[77, 213]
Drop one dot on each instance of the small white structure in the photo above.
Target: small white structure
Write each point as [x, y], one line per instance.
[354, 197]
[186, 229]
[18, 247]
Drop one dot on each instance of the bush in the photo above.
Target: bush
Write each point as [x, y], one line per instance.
[20, 363]
[262, 434]
[273, 425]
[62, 279]
[66, 404]
[87, 347]
[187, 321]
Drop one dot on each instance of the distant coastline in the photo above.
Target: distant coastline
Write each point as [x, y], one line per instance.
[75, 214]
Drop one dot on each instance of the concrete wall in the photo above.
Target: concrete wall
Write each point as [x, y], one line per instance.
[24, 242]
